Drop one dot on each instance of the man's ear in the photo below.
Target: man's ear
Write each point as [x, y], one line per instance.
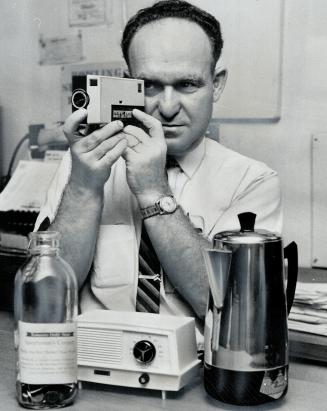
[219, 81]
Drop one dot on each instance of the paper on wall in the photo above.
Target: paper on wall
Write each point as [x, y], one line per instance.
[61, 49]
[86, 12]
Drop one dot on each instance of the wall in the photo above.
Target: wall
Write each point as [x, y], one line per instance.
[31, 94]
[286, 145]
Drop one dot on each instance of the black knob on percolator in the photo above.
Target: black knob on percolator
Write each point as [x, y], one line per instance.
[247, 221]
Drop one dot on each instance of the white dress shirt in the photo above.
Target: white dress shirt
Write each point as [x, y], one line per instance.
[212, 185]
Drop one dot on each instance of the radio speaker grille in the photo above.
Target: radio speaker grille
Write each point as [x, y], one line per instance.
[99, 346]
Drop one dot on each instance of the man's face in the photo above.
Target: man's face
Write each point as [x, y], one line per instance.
[174, 58]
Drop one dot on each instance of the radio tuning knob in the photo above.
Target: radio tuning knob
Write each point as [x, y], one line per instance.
[144, 351]
[144, 378]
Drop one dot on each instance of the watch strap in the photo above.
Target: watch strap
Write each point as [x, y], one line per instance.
[150, 211]
[157, 208]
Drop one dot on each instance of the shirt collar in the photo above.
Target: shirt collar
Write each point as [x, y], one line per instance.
[192, 160]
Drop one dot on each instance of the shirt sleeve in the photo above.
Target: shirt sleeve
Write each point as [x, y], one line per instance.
[55, 192]
[258, 193]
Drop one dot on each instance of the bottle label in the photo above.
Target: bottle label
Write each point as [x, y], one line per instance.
[47, 353]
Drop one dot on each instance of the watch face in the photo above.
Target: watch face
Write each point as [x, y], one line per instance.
[168, 204]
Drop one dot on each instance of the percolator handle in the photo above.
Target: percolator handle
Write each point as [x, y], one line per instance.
[291, 255]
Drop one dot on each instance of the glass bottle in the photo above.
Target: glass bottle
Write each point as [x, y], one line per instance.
[45, 306]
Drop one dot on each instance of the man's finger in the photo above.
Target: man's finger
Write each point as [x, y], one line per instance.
[91, 141]
[73, 122]
[152, 124]
[112, 156]
[136, 133]
[107, 145]
[131, 140]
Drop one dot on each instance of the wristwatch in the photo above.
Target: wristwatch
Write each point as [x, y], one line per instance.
[165, 205]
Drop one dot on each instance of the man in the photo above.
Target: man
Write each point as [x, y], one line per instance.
[113, 177]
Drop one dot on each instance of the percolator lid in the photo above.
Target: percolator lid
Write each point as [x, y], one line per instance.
[247, 234]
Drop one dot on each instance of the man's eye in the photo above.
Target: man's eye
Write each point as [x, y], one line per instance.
[148, 84]
[187, 86]
[151, 88]
[151, 85]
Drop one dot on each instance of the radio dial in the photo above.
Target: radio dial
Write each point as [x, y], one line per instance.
[144, 351]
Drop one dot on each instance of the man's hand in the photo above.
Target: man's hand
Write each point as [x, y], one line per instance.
[93, 154]
[146, 160]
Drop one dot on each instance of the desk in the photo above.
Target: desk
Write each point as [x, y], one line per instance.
[307, 389]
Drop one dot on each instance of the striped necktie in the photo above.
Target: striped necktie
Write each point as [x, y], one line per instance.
[148, 287]
[150, 271]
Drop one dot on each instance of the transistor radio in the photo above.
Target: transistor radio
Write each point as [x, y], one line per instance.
[138, 350]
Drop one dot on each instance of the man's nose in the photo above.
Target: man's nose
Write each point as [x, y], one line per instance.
[169, 103]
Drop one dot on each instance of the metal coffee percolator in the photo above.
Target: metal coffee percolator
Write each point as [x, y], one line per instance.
[246, 335]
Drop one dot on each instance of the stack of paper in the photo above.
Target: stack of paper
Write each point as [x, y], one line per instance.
[309, 311]
[21, 200]
[27, 188]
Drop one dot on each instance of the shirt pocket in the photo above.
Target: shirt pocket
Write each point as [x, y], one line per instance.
[115, 262]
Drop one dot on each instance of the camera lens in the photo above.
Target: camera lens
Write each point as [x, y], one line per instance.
[80, 98]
